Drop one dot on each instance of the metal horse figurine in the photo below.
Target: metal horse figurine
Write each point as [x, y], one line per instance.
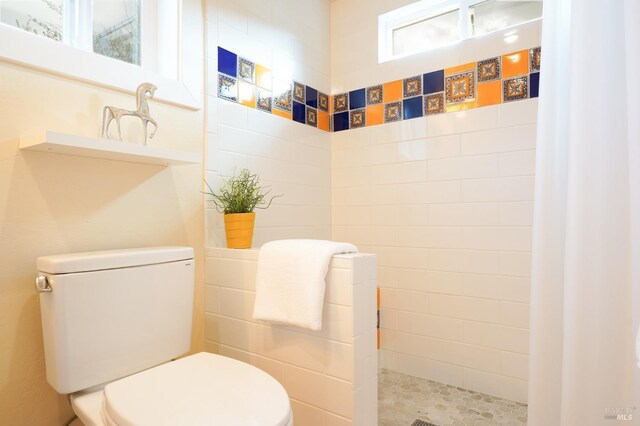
[144, 92]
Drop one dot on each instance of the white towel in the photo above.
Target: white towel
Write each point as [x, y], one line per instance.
[290, 282]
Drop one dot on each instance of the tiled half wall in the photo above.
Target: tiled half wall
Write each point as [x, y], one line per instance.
[511, 77]
[330, 375]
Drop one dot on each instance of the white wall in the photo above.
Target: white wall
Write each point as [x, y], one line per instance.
[446, 204]
[54, 204]
[292, 38]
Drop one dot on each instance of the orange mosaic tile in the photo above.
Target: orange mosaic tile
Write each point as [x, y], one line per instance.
[515, 64]
[247, 94]
[457, 69]
[283, 114]
[375, 114]
[489, 93]
[392, 91]
[323, 120]
[263, 77]
[460, 107]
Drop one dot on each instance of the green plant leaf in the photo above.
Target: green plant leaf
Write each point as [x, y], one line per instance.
[241, 194]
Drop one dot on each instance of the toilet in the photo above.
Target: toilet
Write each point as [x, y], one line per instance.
[113, 324]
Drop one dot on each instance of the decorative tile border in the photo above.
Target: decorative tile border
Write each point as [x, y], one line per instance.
[250, 84]
[506, 78]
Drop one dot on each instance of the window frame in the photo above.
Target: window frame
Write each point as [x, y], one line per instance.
[177, 74]
[415, 12]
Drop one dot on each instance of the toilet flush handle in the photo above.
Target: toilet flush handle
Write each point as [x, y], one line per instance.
[42, 284]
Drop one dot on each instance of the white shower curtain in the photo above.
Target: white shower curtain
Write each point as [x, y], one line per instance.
[586, 257]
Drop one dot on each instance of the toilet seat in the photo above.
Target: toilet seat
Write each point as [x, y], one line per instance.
[202, 389]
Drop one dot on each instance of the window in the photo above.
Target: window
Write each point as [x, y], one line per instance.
[116, 43]
[429, 24]
[106, 27]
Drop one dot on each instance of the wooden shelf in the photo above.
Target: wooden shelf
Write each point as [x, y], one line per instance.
[61, 143]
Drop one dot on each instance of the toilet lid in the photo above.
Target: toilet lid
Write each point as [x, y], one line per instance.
[202, 389]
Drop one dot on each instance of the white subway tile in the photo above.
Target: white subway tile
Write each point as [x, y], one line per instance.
[514, 314]
[498, 189]
[518, 213]
[389, 319]
[497, 238]
[430, 369]
[514, 365]
[387, 277]
[515, 289]
[340, 360]
[430, 325]
[307, 414]
[469, 308]
[470, 214]
[464, 355]
[212, 299]
[427, 149]
[387, 359]
[430, 236]
[496, 384]
[497, 336]
[228, 331]
[518, 113]
[405, 343]
[413, 301]
[501, 139]
[236, 303]
[515, 263]
[429, 192]
[470, 120]
[413, 214]
[519, 163]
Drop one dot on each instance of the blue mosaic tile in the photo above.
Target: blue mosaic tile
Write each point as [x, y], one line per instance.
[312, 97]
[227, 62]
[341, 121]
[357, 99]
[299, 112]
[433, 82]
[534, 84]
[412, 108]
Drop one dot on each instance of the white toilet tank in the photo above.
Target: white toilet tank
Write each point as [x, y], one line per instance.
[113, 313]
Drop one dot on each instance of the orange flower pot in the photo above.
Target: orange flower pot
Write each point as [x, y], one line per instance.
[238, 228]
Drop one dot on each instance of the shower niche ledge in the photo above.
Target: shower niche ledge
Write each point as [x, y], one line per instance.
[82, 146]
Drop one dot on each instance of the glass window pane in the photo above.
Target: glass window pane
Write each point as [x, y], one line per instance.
[426, 34]
[495, 15]
[42, 17]
[116, 29]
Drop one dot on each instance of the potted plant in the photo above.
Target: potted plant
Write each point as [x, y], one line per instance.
[237, 198]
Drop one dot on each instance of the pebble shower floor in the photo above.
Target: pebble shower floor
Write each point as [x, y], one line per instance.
[403, 400]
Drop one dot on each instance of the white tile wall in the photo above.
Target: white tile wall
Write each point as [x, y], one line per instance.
[446, 204]
[291, 158]
[330, 375]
